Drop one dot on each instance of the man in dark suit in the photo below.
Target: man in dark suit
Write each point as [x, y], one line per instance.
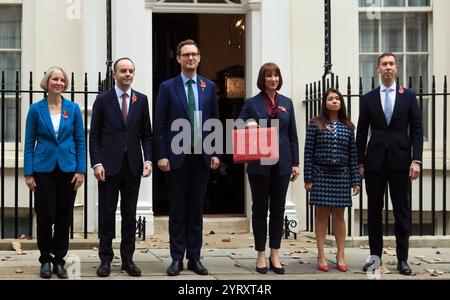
[120, 127]
[190, 98]
[393, 155]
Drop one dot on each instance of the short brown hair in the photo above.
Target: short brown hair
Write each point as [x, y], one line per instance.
[386, 54]
[49, 73]
[269, 67]
[119, 59]
[185, 43]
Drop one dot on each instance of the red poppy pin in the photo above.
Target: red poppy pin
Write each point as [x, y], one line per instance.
[134, 99]
[401, 90]
[65, 114]
[282, 108]
[202, 84]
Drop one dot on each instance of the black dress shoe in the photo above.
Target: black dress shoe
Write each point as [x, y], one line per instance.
[104, 269]
[403, 267]
[46, 271]
[175, 268]
[131, 269]
[372, 265]
[196, 266]
[59, 270]
[275, 269]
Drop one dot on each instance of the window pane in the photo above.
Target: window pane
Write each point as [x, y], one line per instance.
[416, 66]
[416, 32]
[419, 3]
[394, 2]
[368, 34]
[10, 63]
[401, 72]
[211, 1]
[367, 70]
[369, 3]
[392, 32]
[10, 25]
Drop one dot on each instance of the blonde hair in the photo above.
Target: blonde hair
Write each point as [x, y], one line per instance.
[49, 73]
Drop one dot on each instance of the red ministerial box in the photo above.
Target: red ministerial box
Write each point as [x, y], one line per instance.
[252, 144]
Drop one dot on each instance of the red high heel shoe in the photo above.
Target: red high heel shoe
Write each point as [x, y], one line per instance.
[342, 268]
[323, 268]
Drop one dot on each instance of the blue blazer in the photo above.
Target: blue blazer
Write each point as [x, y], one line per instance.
[110, 138]
[254, 108]
[172, 104]
[401, 141]
[43, 150]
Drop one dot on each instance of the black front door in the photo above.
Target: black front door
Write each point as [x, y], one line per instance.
[226, 187]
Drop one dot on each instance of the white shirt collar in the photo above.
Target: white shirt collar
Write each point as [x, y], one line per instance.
[393, 87]
[119, 92]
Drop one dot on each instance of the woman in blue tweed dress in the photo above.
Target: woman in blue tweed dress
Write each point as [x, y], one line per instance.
[331, 171]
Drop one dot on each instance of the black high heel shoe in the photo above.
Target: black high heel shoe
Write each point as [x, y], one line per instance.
[262, 270]
[275, 269]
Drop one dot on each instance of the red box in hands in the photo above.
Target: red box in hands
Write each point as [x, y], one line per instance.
[252, 144]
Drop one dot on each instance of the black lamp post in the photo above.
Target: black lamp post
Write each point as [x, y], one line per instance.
[108, 82]
[328, 64]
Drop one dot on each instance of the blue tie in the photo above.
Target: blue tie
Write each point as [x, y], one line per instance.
[388, 107]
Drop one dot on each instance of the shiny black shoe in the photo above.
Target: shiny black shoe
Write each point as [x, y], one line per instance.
[196, 266]
[372, 265]
[104, 269]
[275, 269]
[175, 268]
[131, 269]
[46, 271]
[262, 270]
[60, 272]
[403, 268]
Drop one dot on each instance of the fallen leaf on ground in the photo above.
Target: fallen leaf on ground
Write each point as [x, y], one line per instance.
[19, 271]
[302, 250]
[145, 250]
[226, 240]
[416, 263]
[389, 251]
[212, 232]
[237, 265]
[438, 252]
[95, 248]
[206, 244]
[209, 250]
[17, 246]
[23, 237]
[292, 244]
[116, 257]
[420, 257]
[295, 256]
[116, 265]
[384, 270]
[364, 247]
[333, 251]
[234, 253]
[392, 263]
[250, 246]
[92, 255]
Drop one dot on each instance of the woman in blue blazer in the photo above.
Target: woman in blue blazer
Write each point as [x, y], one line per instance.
[54, 168]
[269, 183]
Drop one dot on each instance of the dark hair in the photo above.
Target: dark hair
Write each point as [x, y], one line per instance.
[185, 43]
[386, 54]
[119, 59]
[325, 113]
[269, 67]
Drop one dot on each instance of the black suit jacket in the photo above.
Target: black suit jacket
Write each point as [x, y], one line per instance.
[400, 142]
[110, 137]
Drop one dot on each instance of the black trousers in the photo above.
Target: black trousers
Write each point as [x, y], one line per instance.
[187, 188]
[268, 193]
[128, 186]
[54, 199]
[398, 187]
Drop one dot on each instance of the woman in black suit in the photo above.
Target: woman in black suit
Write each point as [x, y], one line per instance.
[269, 183]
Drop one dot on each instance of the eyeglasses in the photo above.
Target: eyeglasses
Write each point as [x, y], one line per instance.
[187, 55]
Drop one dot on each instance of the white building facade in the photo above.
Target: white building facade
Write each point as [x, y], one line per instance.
[72, 34]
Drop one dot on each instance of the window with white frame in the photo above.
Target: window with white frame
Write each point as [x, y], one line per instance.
[10, 61]
[401, 27]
